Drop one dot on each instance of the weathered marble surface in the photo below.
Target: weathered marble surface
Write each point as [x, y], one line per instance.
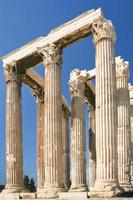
[92, 146]
[78, 159]
[131, 126]
[13, 196]
[14, 146]
[106, 184]
[123, 127]
[63, 196]
[52, 58]
[73, 195]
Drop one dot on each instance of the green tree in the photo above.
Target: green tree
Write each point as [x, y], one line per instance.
[26, 182]
[32, 187]
[29, 184]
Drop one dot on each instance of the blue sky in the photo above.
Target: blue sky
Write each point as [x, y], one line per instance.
[24, 20]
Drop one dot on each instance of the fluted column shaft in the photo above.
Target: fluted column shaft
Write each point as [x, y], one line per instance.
[65, 142]
[14, 155]
[78, 145]
[78, 160]
[106, 118]
[123, 123]
[131, 127]
[40, 140]
[106, 121]
[92, 148]
[53, 118]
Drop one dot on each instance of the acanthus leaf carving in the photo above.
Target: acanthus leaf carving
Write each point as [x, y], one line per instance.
[77, 83]
[122, 67]
[39, 94]
[11, 73]
[52, 53]
[103, 28]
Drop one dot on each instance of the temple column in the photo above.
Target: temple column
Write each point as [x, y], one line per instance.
[14, 154]
[122, 74]
[106, 184]
[53, 120]
[92, 148]
[131, 126]
[65, 142]
[40, 139]
[78, 159]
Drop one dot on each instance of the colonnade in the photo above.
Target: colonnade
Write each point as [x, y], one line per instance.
[111, 164]
[14, 155]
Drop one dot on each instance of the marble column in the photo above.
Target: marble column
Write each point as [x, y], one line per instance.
[122, 75]
[131, 127]
[39, 94]
[65, 144]
[106, 184]
[14, 154]
[78, 159]
[92, 148]
[52, 58]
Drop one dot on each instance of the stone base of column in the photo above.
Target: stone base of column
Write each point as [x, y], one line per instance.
[26, 195]
[12, 189]
[40, 192]
[66, 189]
[79, 188]
[10, 196]
[105, 190]
[131, 181]
[127, 187]
[92, 173]
[73, 196]
[50, 191]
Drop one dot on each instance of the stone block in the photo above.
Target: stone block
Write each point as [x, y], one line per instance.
[73, 196]
[27, 195]
[11, 196]
[117, 198]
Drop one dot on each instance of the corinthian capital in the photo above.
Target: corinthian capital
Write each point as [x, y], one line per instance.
[11, 73]
[122, 67]
[103, 28]
[77, 83]
[51, 54]
[39, 94]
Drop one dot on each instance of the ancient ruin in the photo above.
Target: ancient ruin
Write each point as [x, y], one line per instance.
[110, 107]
